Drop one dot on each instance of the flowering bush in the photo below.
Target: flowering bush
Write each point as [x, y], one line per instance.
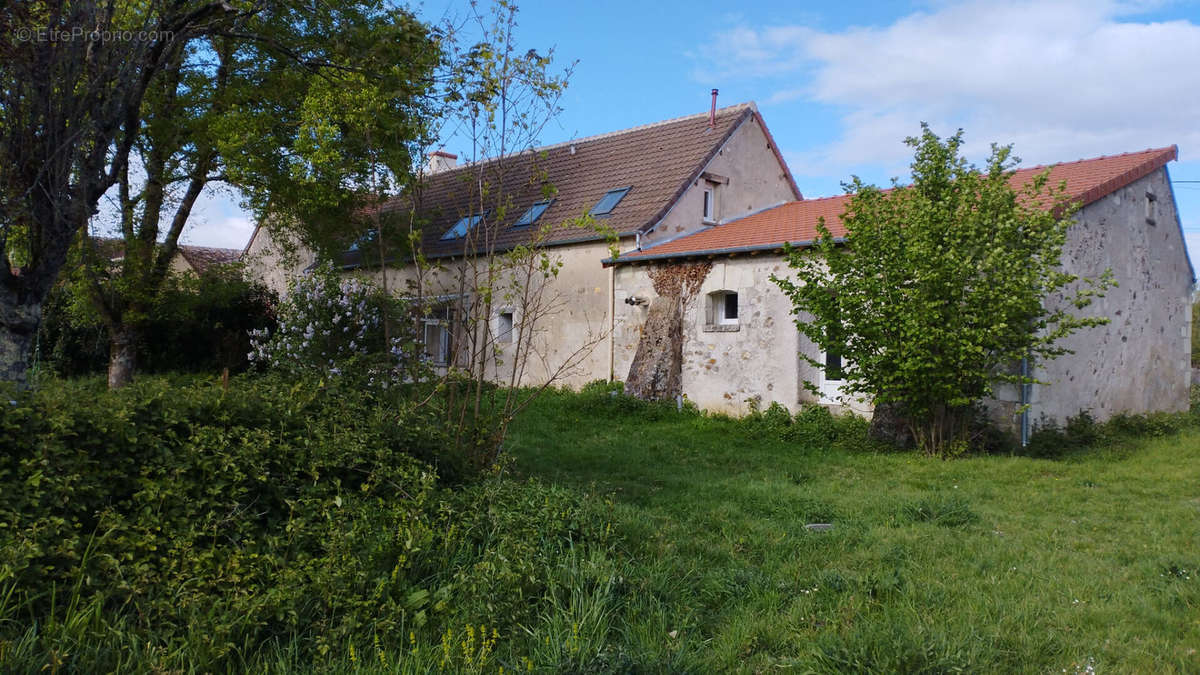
[331, 326]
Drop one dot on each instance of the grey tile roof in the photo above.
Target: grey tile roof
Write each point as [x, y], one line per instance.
[656, 161]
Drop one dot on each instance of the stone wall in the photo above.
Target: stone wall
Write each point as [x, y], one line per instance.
[724, 367]
[1140, 361]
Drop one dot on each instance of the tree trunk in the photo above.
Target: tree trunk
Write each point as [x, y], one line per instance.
[20, 316]
[656, 371]
[890, 426]
[122, 356]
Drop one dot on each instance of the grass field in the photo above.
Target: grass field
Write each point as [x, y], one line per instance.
[980, 564]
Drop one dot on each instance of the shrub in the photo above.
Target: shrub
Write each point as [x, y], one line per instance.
[1083, 431]
[199, 323]
[329, 325]
[227, 521]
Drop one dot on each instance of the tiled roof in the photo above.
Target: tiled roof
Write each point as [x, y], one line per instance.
[1087, 180]
[201, 258]
[656, 161]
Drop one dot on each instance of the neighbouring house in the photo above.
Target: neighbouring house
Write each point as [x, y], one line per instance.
[642, 185]
[699, 208]
[196, 259]
[739, 342]
[200, 259]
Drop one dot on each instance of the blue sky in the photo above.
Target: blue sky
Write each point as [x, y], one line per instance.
[840, 86]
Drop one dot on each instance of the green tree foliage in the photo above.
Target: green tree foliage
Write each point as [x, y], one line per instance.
[73, 78]
[941, 287]
[301, 106]
[196, 323]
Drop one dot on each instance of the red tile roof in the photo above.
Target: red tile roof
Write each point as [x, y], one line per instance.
[796, 222]
[656, 161]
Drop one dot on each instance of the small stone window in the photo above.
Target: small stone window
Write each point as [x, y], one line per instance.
[437, 338]
[722, 311]
[1151, 203]
[504, 327]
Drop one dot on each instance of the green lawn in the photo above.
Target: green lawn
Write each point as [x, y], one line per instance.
[981, 564]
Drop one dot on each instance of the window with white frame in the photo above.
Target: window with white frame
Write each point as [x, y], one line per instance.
[722, 311]
[438, 334]
[710, 203]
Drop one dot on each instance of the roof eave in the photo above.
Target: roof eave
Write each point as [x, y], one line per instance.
[756, 248]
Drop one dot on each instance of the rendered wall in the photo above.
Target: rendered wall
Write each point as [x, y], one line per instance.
[724, 368]
[1141, 361]
[266, 260]
[756, 182]
[569, 340]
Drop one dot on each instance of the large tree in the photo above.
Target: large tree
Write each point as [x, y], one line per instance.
[300, 107]
[940, 287]
[154, 100]
[73, 76]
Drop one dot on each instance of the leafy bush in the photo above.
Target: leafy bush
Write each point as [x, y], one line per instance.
[233, 519]
[329, 324]
[200, 323]
[1082, 431]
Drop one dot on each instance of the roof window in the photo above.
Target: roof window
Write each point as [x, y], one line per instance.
[608, 202]
[530, 217]
[463, 225]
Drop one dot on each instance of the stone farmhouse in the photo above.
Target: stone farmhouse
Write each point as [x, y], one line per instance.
[699, 209]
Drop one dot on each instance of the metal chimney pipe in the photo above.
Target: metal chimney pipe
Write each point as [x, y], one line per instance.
[712, 113]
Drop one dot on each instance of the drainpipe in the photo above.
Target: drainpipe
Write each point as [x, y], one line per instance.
[612, 320]
[1026, 394]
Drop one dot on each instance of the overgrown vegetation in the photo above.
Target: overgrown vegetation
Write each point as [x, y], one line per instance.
[196, 323]
[193, 526]
[288, 526]
[941, 288]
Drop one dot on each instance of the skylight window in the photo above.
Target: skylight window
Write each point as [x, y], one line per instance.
[608, 202]
[530, 217]
[463, 225]
[363, 241]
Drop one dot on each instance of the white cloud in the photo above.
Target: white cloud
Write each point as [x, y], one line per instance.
[1059, 80]
[218, 221]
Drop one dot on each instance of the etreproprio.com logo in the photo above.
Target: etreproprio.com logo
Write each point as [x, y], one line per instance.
[79, 33]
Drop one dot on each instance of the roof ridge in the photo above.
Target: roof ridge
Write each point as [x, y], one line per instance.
[737, 107]
[1095, 159]
[641, 127]
[195, 247]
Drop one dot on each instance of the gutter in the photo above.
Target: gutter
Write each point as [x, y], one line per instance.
[1026, 394]
[757, 248]
[612, 322]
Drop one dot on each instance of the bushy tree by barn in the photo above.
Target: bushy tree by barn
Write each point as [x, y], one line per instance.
[939, 288]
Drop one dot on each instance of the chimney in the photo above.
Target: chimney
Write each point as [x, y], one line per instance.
[439, 161]
[712, 113]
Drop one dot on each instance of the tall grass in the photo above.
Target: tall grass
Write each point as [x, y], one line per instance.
[629, 537]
